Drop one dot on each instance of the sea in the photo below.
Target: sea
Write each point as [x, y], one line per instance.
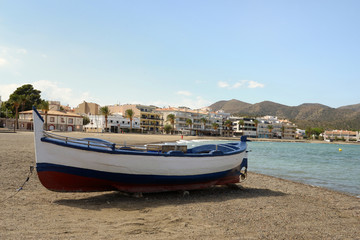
[332, 166]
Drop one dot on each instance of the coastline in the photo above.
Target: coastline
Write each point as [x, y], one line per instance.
[261, 207]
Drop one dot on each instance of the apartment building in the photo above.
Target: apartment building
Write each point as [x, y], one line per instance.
[244, 126]
[150, 119]
[201, 122]
[342, 134]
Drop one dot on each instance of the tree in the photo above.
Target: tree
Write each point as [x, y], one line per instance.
[215, 126]
[228, 124]
[44, 106]
[282, 131]
[171, 119]
[16, 101]
[86, 120]
[241, 123]
[203, 121]
[106, 112]
[189, 122]
[31, 98]
[270, 127]
[129, 113]
[167, 128]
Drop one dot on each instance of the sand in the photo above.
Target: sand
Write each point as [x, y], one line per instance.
[263, 207]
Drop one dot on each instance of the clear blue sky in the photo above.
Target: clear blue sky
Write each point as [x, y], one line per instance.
[191, 53]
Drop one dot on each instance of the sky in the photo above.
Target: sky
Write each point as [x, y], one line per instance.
[182, 53]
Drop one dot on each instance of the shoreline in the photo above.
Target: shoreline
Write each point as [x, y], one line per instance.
[178, 137]
[261, 207]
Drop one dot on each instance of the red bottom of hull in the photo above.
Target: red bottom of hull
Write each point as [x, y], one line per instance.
[64, 182]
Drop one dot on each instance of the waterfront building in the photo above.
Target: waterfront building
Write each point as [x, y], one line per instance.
[269, 127]
[201, 121]
[150, 119]
[116, 123]
[56, 121]
[243, 126]
[342, 135]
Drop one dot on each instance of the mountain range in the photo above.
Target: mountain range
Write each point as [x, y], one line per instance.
[304, 115]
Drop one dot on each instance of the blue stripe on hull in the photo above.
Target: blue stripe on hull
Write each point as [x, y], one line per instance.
[139, 178]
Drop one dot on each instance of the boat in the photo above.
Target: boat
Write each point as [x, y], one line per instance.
[66, 164]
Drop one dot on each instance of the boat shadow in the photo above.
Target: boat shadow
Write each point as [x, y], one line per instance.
[149, 200]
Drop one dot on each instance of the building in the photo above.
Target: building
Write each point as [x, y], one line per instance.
[271, 127]
[244, 126]
[86, 108]
[289, 130]
[342, 135]
[116, 123]
[151, 120]
[192, 122]
[56, 120]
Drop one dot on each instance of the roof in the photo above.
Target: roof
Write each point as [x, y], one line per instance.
[54, 113]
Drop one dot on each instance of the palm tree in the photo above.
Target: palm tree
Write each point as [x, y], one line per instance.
[270, 127]
[16, 102]
[106, 112]
[228, 124]
[215, 126]
[241, 123]
[44, 106]
[282, 131]
[129, 113]
[203, 121]
[256, 122]
[171, 119]
[189, 122]
[167, 128]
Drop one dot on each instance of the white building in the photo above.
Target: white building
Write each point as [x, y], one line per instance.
[56, 120]
[115, 123]
[243, 126]
[198, 125]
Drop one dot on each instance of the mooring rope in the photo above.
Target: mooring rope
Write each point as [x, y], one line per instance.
[22, 185]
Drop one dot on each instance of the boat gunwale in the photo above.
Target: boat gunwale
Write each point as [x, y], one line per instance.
[134, 150]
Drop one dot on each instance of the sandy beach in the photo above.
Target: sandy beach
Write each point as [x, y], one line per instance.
[263, 207]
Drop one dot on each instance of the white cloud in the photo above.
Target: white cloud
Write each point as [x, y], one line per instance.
[253, 84]
[53, 91]
[7, 89]
[50, 91]
[241, 83]
[223, 84]
[3, 62]
[185, 93]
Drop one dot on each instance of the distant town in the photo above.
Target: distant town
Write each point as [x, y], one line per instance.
[137, 118]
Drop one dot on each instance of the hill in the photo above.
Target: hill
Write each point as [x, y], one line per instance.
[304, 115]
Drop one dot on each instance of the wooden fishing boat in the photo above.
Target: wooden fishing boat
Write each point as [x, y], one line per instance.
[90, 164]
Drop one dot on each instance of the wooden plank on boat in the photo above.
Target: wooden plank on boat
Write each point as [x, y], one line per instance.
[166, 148]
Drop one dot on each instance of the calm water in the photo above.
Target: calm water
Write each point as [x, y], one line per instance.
[311, 163]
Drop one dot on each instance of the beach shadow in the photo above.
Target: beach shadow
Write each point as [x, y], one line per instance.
[128, 202]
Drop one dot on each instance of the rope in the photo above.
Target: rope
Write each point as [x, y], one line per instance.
[22, 185]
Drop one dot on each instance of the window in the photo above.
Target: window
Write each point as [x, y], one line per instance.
[62, 120]
[71, 120]
[52, 119]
